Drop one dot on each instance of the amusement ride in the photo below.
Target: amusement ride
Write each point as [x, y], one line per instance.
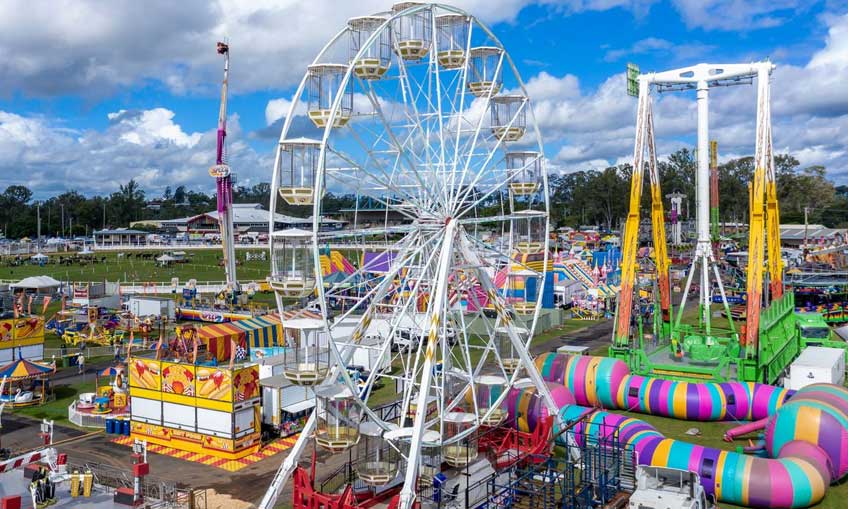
[223, 176]
[421, 110]
[770, 337]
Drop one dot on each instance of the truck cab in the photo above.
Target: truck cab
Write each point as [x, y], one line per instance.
[812, 329]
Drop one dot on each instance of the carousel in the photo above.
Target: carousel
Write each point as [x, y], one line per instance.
[27, 383]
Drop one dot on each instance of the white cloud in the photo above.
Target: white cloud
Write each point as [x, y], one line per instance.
[145, 145]
[276, 109]
[152, 126]
[84, 48]
[738, 14]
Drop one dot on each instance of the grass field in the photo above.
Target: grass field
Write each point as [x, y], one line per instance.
[202, 265]
[57, 410]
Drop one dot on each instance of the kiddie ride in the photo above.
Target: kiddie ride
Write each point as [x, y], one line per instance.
[99, 330]
[772, 336]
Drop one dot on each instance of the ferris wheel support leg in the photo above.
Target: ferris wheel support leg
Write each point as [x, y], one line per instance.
[269, 500]
[407, 493]
[519, 347]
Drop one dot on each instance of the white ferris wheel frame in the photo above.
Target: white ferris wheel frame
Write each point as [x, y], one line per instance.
[439, 287]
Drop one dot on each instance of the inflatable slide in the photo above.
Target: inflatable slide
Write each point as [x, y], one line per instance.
[806, 433]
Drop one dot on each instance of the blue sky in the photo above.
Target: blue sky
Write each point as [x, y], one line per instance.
[94, 94]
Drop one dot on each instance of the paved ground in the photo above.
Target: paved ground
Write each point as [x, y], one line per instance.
[594, 336]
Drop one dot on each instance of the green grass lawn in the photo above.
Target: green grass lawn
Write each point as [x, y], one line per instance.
[202, 265]
[57, 409]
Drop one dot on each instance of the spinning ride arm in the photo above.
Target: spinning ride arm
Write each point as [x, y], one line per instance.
[775, 260]
[658, 226]
[762, 185]
[644, 139]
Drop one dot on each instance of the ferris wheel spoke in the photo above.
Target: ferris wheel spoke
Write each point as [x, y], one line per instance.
[386, 179]
[477, 128]
[480, 174]
[396, 144]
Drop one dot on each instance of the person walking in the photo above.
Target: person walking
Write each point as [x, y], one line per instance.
[81, 363]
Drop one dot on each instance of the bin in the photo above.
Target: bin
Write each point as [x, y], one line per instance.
[110, 426]
[125, 427]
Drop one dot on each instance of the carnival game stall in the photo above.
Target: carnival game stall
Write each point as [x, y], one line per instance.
[27, 383]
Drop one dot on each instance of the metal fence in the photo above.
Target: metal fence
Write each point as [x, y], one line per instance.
[158, 492]
[89, 352]
[89, 420]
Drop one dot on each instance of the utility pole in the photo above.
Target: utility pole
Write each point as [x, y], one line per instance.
[63, 220]
[104, 214]
[806, 222]
[38, 219]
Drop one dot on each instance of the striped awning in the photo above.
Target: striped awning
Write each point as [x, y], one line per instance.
[219, 338]
[261, 331]
[22, 369]
[258, 332]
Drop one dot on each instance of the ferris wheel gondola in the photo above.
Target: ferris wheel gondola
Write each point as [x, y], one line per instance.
[428, 119]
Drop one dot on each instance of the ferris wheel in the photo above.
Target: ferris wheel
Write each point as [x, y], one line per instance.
[419, 118]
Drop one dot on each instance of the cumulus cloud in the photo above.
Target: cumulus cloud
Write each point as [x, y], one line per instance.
[82, 48]
[146, 145]
[591, 128]
[149, 127]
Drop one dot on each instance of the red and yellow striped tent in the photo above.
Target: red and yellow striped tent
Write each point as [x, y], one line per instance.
[258, 332]
[221, 338]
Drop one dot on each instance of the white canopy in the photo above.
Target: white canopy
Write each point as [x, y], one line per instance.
[165, 258]
[39, 256]
[37, 283]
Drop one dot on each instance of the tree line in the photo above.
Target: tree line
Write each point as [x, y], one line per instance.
[73, 214]
[590, 197]
[601, 197]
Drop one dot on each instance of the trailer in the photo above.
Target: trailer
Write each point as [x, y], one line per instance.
[667, 488]
[146, 305]
[285, 406]
[271, 366]
[817, 364]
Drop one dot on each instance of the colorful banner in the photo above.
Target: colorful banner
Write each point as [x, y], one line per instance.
[196, 442]
[178, 378]
[81, 291]
[214, 383]
[246, 383]
[145, 374]
[207, 315]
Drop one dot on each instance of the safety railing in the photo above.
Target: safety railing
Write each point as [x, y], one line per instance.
[89, 420]
[158, 492]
